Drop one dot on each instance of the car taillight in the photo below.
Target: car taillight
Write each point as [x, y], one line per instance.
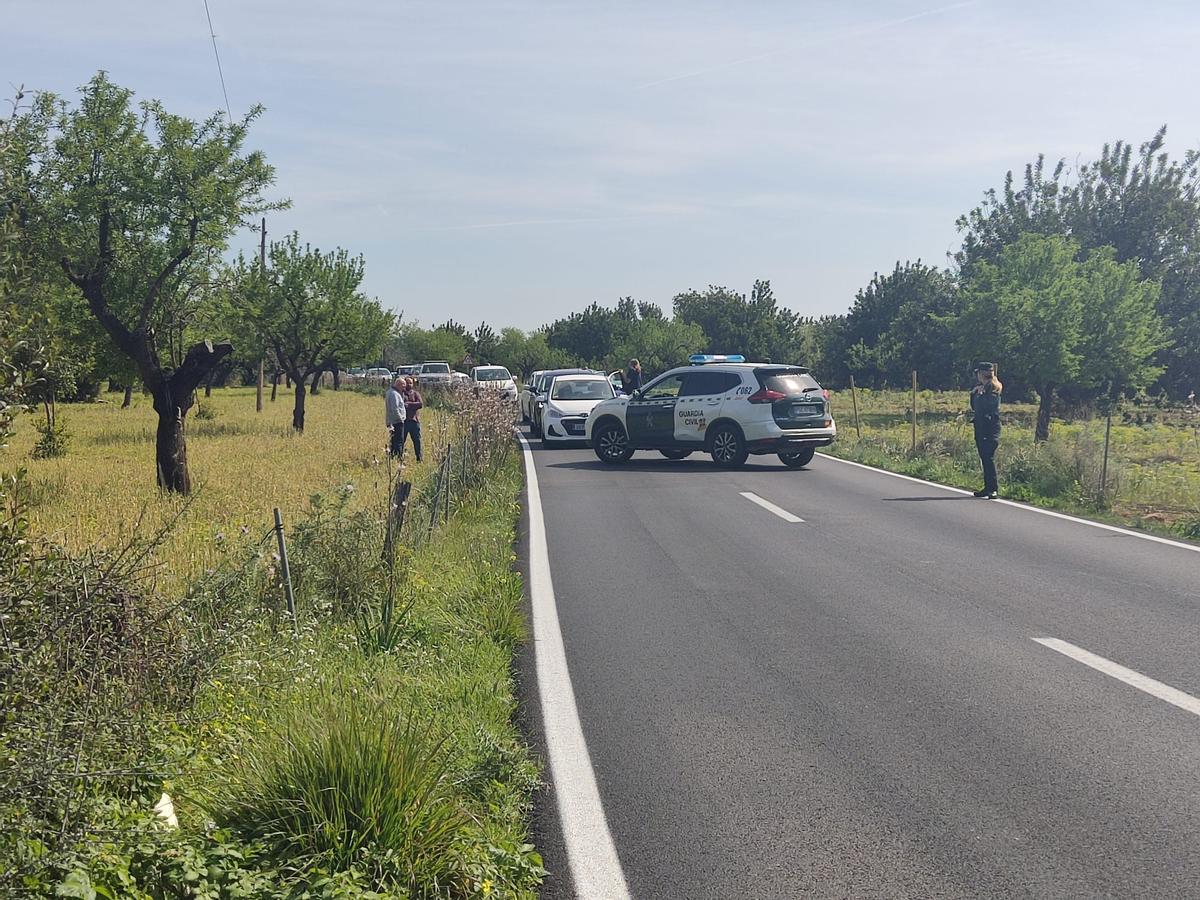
[766, 395]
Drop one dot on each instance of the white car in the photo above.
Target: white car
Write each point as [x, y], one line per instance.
[378, 376]
[569, 401]
[494, 378]
[720, 405]
[435, 374]
[527, 395]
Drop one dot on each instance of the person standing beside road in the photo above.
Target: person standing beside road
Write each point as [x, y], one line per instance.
[985, 409]
[394, 416]
[412, 408]
[633, 377]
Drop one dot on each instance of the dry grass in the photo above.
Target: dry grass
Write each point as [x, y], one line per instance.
[243, 463]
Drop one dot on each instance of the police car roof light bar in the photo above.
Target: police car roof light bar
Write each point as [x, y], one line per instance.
[700, 359]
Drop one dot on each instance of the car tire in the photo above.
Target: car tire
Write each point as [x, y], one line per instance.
[676, 454]
[728, 447]
[799, 459]
[611, 444]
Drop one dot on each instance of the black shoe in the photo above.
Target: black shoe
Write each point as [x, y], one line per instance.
[991, 495]
[980, 494]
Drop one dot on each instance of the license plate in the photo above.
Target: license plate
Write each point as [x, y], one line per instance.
[807, 409]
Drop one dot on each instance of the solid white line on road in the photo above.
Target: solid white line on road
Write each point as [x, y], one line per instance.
[1195, 548]
[591, 854]
[1142, 682]
[770, 507]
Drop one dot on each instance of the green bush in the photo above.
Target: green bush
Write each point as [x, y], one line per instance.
[351, 782]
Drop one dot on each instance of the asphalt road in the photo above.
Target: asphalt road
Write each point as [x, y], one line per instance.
[855, 705]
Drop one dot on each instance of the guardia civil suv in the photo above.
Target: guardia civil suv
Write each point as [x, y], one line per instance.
[721, 405]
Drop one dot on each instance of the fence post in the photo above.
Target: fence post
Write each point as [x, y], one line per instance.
[395, 520]
[437, 487]
[1104, 468]
[914, 411]
[854, 400]
[287, 572]
[449, 476]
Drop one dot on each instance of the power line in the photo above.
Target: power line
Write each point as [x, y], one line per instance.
[217, 55]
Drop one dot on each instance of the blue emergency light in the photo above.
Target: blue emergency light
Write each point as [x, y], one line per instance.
[699, 359]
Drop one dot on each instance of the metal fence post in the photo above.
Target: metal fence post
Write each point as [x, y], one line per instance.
[854, 400]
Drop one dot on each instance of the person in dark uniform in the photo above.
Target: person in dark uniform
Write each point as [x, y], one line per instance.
[633, 377]
[985, 412]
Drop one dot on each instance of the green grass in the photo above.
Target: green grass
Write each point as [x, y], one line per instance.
[1153, 476]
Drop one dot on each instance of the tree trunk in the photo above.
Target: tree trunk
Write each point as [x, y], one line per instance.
[274, 385]
[287, 380]
[128, 400]
[316, 380]
[170, 449]
[1045, 402]
[298, 409]
[337, 378]
[208, 384]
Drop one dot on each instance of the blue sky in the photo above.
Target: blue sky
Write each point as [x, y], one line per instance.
[511, 161]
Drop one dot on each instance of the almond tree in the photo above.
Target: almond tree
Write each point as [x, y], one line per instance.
[130, 202]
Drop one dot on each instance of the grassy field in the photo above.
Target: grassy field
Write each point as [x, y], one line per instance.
[243, 464]
[372, 753]
[1153, 478]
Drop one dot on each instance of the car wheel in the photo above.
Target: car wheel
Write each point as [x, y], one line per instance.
[798, 459]
[728, 447]
[676, 454]
[611, 444]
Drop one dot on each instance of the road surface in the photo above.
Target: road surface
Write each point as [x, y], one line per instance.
[857, 704]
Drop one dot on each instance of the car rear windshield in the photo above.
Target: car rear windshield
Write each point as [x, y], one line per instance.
[499, 373]
[435, 369]
[577, 389]
[787, 381]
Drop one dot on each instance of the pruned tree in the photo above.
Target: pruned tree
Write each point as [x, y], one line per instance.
[129, 202]
[302, 305]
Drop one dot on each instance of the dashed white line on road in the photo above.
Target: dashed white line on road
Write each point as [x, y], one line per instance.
[771, 507]
[1142, 682]
[591, 854]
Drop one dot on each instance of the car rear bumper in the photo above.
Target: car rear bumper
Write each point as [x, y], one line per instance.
[791, 441]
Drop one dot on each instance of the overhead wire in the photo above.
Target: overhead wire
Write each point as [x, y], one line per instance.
[217, 56]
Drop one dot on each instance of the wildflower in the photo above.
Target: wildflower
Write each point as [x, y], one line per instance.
[486, 887]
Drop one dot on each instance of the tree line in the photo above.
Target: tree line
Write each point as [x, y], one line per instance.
[116, 219]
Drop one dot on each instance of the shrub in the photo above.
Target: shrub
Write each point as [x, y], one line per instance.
[52, 439]
[350, 782]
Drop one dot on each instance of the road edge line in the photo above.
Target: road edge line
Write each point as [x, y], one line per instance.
[1128, 532]
[591, 854]
[771, 507]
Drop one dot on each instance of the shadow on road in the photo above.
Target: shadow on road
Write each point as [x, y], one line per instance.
[670, 465]
[921, 499]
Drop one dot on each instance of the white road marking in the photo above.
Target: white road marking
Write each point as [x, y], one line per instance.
[1142, 682]
[1128, 532]
[592, 856]
[771, 507]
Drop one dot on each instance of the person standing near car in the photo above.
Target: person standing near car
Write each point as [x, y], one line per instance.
[394, 416]
[985, 410]
[633, 377]
[412, 409]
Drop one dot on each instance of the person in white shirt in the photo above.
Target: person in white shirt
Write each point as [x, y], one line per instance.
[394, 416]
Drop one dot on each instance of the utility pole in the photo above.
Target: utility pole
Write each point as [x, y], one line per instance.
[262, 262]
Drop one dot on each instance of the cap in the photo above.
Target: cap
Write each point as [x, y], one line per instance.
[984, 367]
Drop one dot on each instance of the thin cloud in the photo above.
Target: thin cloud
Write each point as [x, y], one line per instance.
[853, 33]
[520, 223]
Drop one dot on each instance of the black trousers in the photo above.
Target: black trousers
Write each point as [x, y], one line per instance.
[412, 428]
[987, 456]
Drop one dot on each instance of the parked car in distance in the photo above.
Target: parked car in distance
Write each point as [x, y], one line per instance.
[408, 371]
[378, 375]
[435, 373]
[457, 377]
[540, 386]
[526, 399]
[570, 399]
[494, 378]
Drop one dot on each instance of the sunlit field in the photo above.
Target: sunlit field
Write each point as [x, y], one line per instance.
[243, 463]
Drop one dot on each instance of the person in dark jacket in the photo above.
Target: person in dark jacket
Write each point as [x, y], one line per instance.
[412, 410]
[633, 377]
[985, 411]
